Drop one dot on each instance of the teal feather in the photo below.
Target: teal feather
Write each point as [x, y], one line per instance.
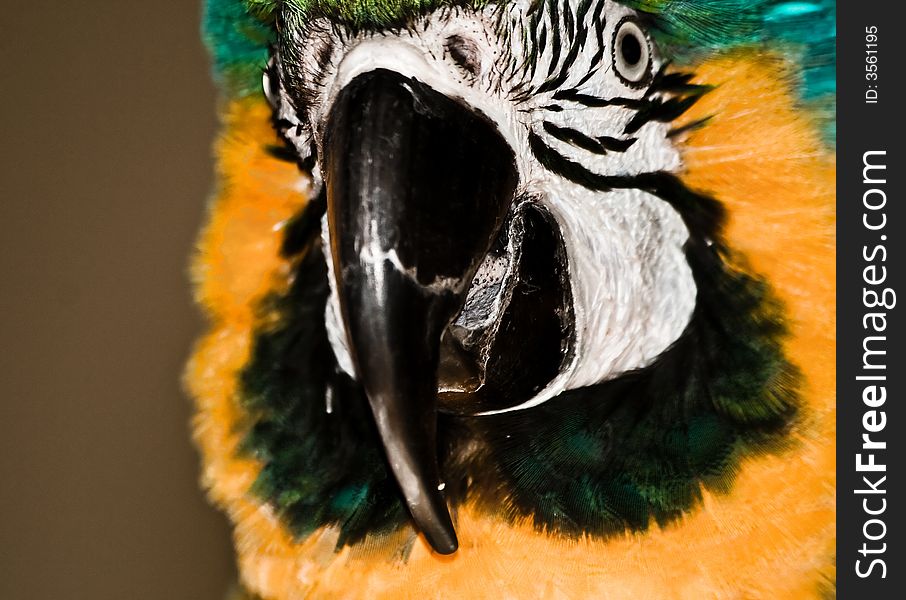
[238, 42]
[812, 28]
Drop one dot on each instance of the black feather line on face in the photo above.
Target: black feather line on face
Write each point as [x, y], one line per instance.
[577, 138]
[578, 38]
[663, 111]
[597, 102]
[702, 214]
[555, 36]
[615, 144]
[599, 145]
[681, 96]
[596, 60]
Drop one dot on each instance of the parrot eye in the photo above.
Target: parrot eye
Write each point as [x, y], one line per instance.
[631, 53]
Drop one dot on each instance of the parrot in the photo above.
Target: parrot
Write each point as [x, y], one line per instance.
[521, 298]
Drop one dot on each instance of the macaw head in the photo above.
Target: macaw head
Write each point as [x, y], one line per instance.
[502, 291]
[502, 224]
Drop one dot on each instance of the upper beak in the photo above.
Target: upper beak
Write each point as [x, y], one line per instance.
[418, 186]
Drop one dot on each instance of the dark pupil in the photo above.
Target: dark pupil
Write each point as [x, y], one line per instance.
[631, 49]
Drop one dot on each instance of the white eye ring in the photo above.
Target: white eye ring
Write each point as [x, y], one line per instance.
[631, 53]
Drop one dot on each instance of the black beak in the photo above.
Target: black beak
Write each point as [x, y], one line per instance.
[418, 186]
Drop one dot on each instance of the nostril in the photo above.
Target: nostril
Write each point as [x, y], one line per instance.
[464, 53]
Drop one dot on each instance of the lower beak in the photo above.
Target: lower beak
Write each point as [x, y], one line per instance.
[418, 186]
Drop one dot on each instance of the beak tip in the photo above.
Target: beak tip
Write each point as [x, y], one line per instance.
[443, 542]
[433, 519]
[448, 550]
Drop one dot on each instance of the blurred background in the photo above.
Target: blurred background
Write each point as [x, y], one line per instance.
[108, 116]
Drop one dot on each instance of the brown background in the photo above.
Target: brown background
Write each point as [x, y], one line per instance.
[107, 120]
